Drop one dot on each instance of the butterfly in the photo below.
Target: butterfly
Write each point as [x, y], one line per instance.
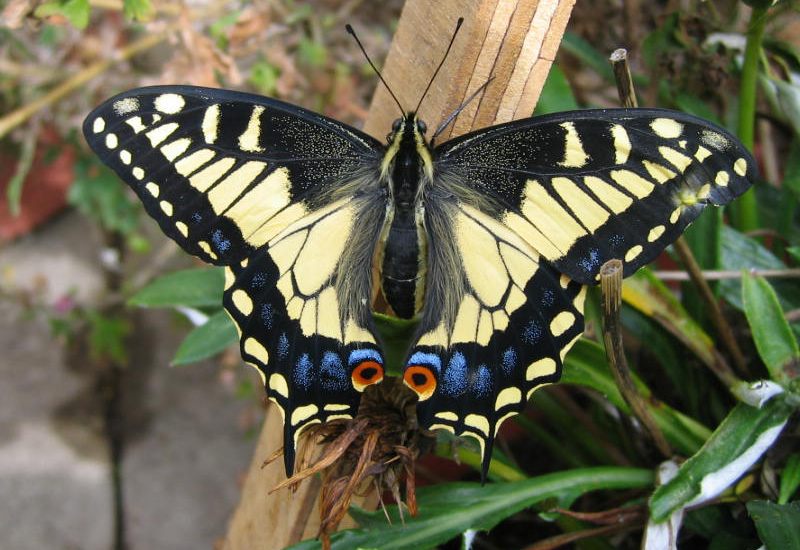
[488, 239]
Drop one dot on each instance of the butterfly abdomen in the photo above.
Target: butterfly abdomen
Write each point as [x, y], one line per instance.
[402, 268]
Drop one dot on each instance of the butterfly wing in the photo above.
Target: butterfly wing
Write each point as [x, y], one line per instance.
[521, 216]
[588, 186]
[288, 201]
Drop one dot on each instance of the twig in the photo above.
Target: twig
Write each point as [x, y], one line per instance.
[611, 292]
[15, 118]
[721, 274]
[717, 318]
[623, 78]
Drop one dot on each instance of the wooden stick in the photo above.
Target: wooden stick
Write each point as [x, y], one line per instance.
[611, 292]
[513, 40]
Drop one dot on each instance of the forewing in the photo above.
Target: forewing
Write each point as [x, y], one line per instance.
[587, 186]
[495, 330]
[223, 172]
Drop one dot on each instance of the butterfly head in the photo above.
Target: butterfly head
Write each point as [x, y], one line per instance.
[408, 156]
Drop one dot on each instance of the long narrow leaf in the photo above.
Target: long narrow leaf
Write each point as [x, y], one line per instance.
[207, 340]
[778, 525]
[448, 510]
[739, 441]
[188, 288]
[774, 339]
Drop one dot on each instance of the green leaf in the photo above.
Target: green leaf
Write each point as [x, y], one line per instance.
[651, 297]
[556, 94]
[586, 365]
[312, 53]
[790, 478]
[742, 252]
[76, 11]
[703, 237]
[99, 195]
[690, 103]
[107, 336]
[788, 102]
[777, 524]
[737, 443]
[137, 10]
[207, 339]
[584, 51]
[189, 288]
[264, 76]
[661, 41]
[448, 510]
[774, 339]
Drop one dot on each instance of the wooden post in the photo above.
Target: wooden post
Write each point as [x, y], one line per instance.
[515, 42]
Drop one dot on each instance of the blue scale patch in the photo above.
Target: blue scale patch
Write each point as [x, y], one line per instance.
[267, 315]
[197, 218]
[359, 355]
[303, 374]
[333, 376]
[548, 298]
[454, 379]
[531, 333]
[590, 262]
[483, 381]
[509, 361]
[426, 359]
[258, 280]
[219, 241]
[283, 346]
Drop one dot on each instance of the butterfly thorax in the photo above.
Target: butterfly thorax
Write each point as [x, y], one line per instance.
[407, 169]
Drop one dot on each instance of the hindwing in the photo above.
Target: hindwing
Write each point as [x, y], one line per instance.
[303, 313]
[497, 328]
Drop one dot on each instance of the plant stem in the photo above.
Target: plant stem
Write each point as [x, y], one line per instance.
[745, 212]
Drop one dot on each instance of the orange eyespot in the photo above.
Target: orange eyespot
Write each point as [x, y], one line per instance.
[366, 373]
[421, 380]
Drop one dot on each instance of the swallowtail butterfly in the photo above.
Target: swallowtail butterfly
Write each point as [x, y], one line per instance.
[488, 239]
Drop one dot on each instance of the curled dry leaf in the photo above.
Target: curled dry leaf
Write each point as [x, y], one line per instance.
[376, 450]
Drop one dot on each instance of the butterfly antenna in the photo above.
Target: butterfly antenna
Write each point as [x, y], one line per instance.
[455, 113]
[374, 68]
[444, 57]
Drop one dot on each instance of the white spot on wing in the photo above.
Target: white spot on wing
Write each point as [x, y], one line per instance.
[124, 106]
[169, 103]
[666, 128]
